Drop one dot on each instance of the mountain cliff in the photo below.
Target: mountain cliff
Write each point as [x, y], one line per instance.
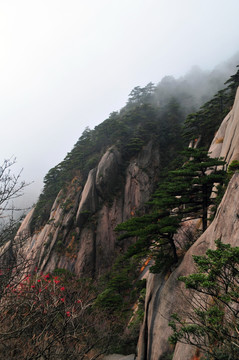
[79, 234]
[166, 296]
[226, 140]
[108, 178]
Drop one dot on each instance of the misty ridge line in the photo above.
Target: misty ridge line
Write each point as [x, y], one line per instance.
[191, 91]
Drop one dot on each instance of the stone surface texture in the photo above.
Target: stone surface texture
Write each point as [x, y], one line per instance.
[166, 296]
[79, 234]
[81, 237]
[226, 141]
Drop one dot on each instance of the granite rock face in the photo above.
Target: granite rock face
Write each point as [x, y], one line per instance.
[166, 296]
[226, 141]
[79, 234]
[89, 201]
[108, 172]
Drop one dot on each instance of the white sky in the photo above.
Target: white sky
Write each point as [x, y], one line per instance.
[67, 64]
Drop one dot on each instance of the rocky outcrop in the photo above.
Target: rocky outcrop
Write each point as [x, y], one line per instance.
[167, 296]
[226, 141]
[140, 177]
[79, 235]
[108, 171]
[88, 203]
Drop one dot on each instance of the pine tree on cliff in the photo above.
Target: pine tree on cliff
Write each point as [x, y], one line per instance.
[185, 195]
[196, 181]
[211, 322]
[208, 118]
[233, 83]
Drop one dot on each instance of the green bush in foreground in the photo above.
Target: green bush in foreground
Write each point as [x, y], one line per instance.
[212, 322]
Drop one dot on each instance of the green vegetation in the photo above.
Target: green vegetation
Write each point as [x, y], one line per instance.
[184, 195]
[157, 114]
[122, 297]
[152, 113]
[212, 323]
[233, 167]
[128, 130]
[205, 122]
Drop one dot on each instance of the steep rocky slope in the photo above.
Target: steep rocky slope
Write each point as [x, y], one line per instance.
[226, 141]
[79, 235]
[166, 295]
[103, 185]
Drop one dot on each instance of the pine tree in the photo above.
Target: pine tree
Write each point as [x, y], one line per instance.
[212, 321]
[196, 180]
[184, 195]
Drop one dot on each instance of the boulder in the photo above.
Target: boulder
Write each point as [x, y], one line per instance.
[226, 141]
[108, 172]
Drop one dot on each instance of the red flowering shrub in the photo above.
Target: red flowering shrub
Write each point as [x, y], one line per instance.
[49, 317]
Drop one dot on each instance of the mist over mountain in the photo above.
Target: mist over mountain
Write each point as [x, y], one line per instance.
[119, 217]
[190, 91]
[119, 180]
[196, 86]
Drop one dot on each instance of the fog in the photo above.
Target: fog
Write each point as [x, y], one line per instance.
[66, 65]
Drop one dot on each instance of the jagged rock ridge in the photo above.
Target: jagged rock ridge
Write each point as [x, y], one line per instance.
[79, 235]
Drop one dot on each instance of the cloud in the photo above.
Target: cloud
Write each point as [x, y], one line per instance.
[66, 65]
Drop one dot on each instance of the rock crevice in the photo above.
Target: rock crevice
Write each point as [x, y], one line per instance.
[79, 235]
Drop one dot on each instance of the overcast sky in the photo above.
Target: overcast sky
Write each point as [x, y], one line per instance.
[67, 64]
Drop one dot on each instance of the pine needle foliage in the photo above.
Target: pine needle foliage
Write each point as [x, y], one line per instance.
[212, 321]
[203, 123]
[184, 195]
